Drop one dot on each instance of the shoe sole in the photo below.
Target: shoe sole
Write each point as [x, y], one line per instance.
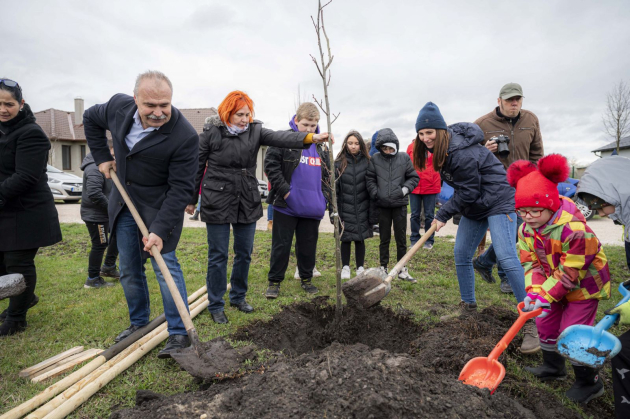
[593, 396]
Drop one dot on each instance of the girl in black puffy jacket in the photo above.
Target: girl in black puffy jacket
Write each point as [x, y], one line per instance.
[353, 200]
[390, 178]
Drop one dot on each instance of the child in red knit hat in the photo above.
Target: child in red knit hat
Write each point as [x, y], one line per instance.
[566, 272]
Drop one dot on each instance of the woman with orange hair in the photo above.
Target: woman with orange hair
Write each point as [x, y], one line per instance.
[229, 193]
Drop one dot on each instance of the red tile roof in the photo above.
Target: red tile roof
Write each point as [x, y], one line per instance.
[59, 125]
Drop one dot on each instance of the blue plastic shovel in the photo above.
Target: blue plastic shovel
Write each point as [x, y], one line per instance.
[592, 346]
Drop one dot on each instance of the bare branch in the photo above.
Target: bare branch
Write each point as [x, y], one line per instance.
[317, 65]
[336, 116]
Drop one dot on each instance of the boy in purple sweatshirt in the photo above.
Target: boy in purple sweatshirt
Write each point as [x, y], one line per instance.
[300, 193]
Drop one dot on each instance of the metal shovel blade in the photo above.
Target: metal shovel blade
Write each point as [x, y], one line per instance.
[483, 372]
[367, 289]
[592, 346]
[212, 359]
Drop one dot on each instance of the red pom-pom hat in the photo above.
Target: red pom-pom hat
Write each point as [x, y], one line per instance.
[537, 186]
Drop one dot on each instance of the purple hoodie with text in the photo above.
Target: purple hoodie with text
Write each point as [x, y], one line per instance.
[306, 199]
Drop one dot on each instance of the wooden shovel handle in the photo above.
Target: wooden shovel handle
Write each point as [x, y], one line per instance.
[403, 261]
[181, 307]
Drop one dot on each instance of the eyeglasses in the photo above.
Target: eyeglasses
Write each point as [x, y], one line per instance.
[10, 83]
[532, 213]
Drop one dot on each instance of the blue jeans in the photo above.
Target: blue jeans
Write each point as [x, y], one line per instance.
[489, 258]
[417, 201]
[134, 280]
[218, 245]
[503, 232]
[270, 213]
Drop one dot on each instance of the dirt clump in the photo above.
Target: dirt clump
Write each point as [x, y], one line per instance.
[375, 363]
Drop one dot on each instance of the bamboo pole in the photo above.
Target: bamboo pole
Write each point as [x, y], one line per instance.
[66, 365]
[71, 404]
[81, 384]
[27, 372]
[110, 353]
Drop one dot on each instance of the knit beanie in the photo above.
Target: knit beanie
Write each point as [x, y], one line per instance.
[430, 117]
[537, 186]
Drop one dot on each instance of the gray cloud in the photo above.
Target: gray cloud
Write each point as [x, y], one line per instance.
[390, 57]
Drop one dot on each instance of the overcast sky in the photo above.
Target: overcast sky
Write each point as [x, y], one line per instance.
[391, 57]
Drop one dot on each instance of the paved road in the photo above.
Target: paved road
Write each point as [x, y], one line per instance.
[606, 230]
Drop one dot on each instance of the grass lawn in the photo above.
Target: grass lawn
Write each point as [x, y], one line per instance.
[69, 315]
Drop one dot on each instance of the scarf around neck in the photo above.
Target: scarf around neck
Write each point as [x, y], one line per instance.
[235, 130]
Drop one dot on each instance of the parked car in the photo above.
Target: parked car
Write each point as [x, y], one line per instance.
[567, 189]
[262, 188]
[64, 186]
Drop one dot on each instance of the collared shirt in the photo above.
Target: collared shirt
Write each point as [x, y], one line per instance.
[137, 133]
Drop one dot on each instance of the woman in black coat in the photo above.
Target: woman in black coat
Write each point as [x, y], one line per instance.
[28, 217]
[356, 213]
[229, 145]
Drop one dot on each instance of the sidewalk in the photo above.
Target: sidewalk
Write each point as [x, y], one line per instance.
[604, 228]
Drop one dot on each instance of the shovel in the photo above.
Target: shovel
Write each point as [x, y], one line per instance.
[195, 349]
[369, 288]
[487, 372]
[592, 346]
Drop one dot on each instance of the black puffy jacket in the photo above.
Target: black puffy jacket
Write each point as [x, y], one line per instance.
[476, 175]
[387, 174]
[280, 163]
[95, 194]
[353, 200]
[229, 192]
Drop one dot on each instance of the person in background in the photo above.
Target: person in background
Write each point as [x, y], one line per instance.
[356, 212]
[423, 199]
[390, 178]
[28, 217]
[230, 199]
[604, 187]
[300, 193]
[373, 151]
[566, 270]
[522, 130]
[94, 203]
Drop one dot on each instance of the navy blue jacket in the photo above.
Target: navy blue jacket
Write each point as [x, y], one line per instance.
[158, 173]
[478, 177]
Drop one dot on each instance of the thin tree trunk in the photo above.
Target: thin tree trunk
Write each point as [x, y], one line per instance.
[324, 72]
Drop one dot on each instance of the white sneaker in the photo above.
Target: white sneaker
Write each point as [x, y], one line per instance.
[360, 270]
[383, 269]
[345, 272]
[316, 273]
[404, 275]
[428, 246]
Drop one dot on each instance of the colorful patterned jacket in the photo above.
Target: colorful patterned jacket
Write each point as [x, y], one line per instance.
[564, 258]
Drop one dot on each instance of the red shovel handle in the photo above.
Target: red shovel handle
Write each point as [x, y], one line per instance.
[523, 316]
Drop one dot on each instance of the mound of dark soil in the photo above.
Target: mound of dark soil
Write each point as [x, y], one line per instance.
[373, 364]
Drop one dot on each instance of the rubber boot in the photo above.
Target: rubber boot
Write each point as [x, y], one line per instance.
[552, 368]
[587, 385]
[195, 216]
